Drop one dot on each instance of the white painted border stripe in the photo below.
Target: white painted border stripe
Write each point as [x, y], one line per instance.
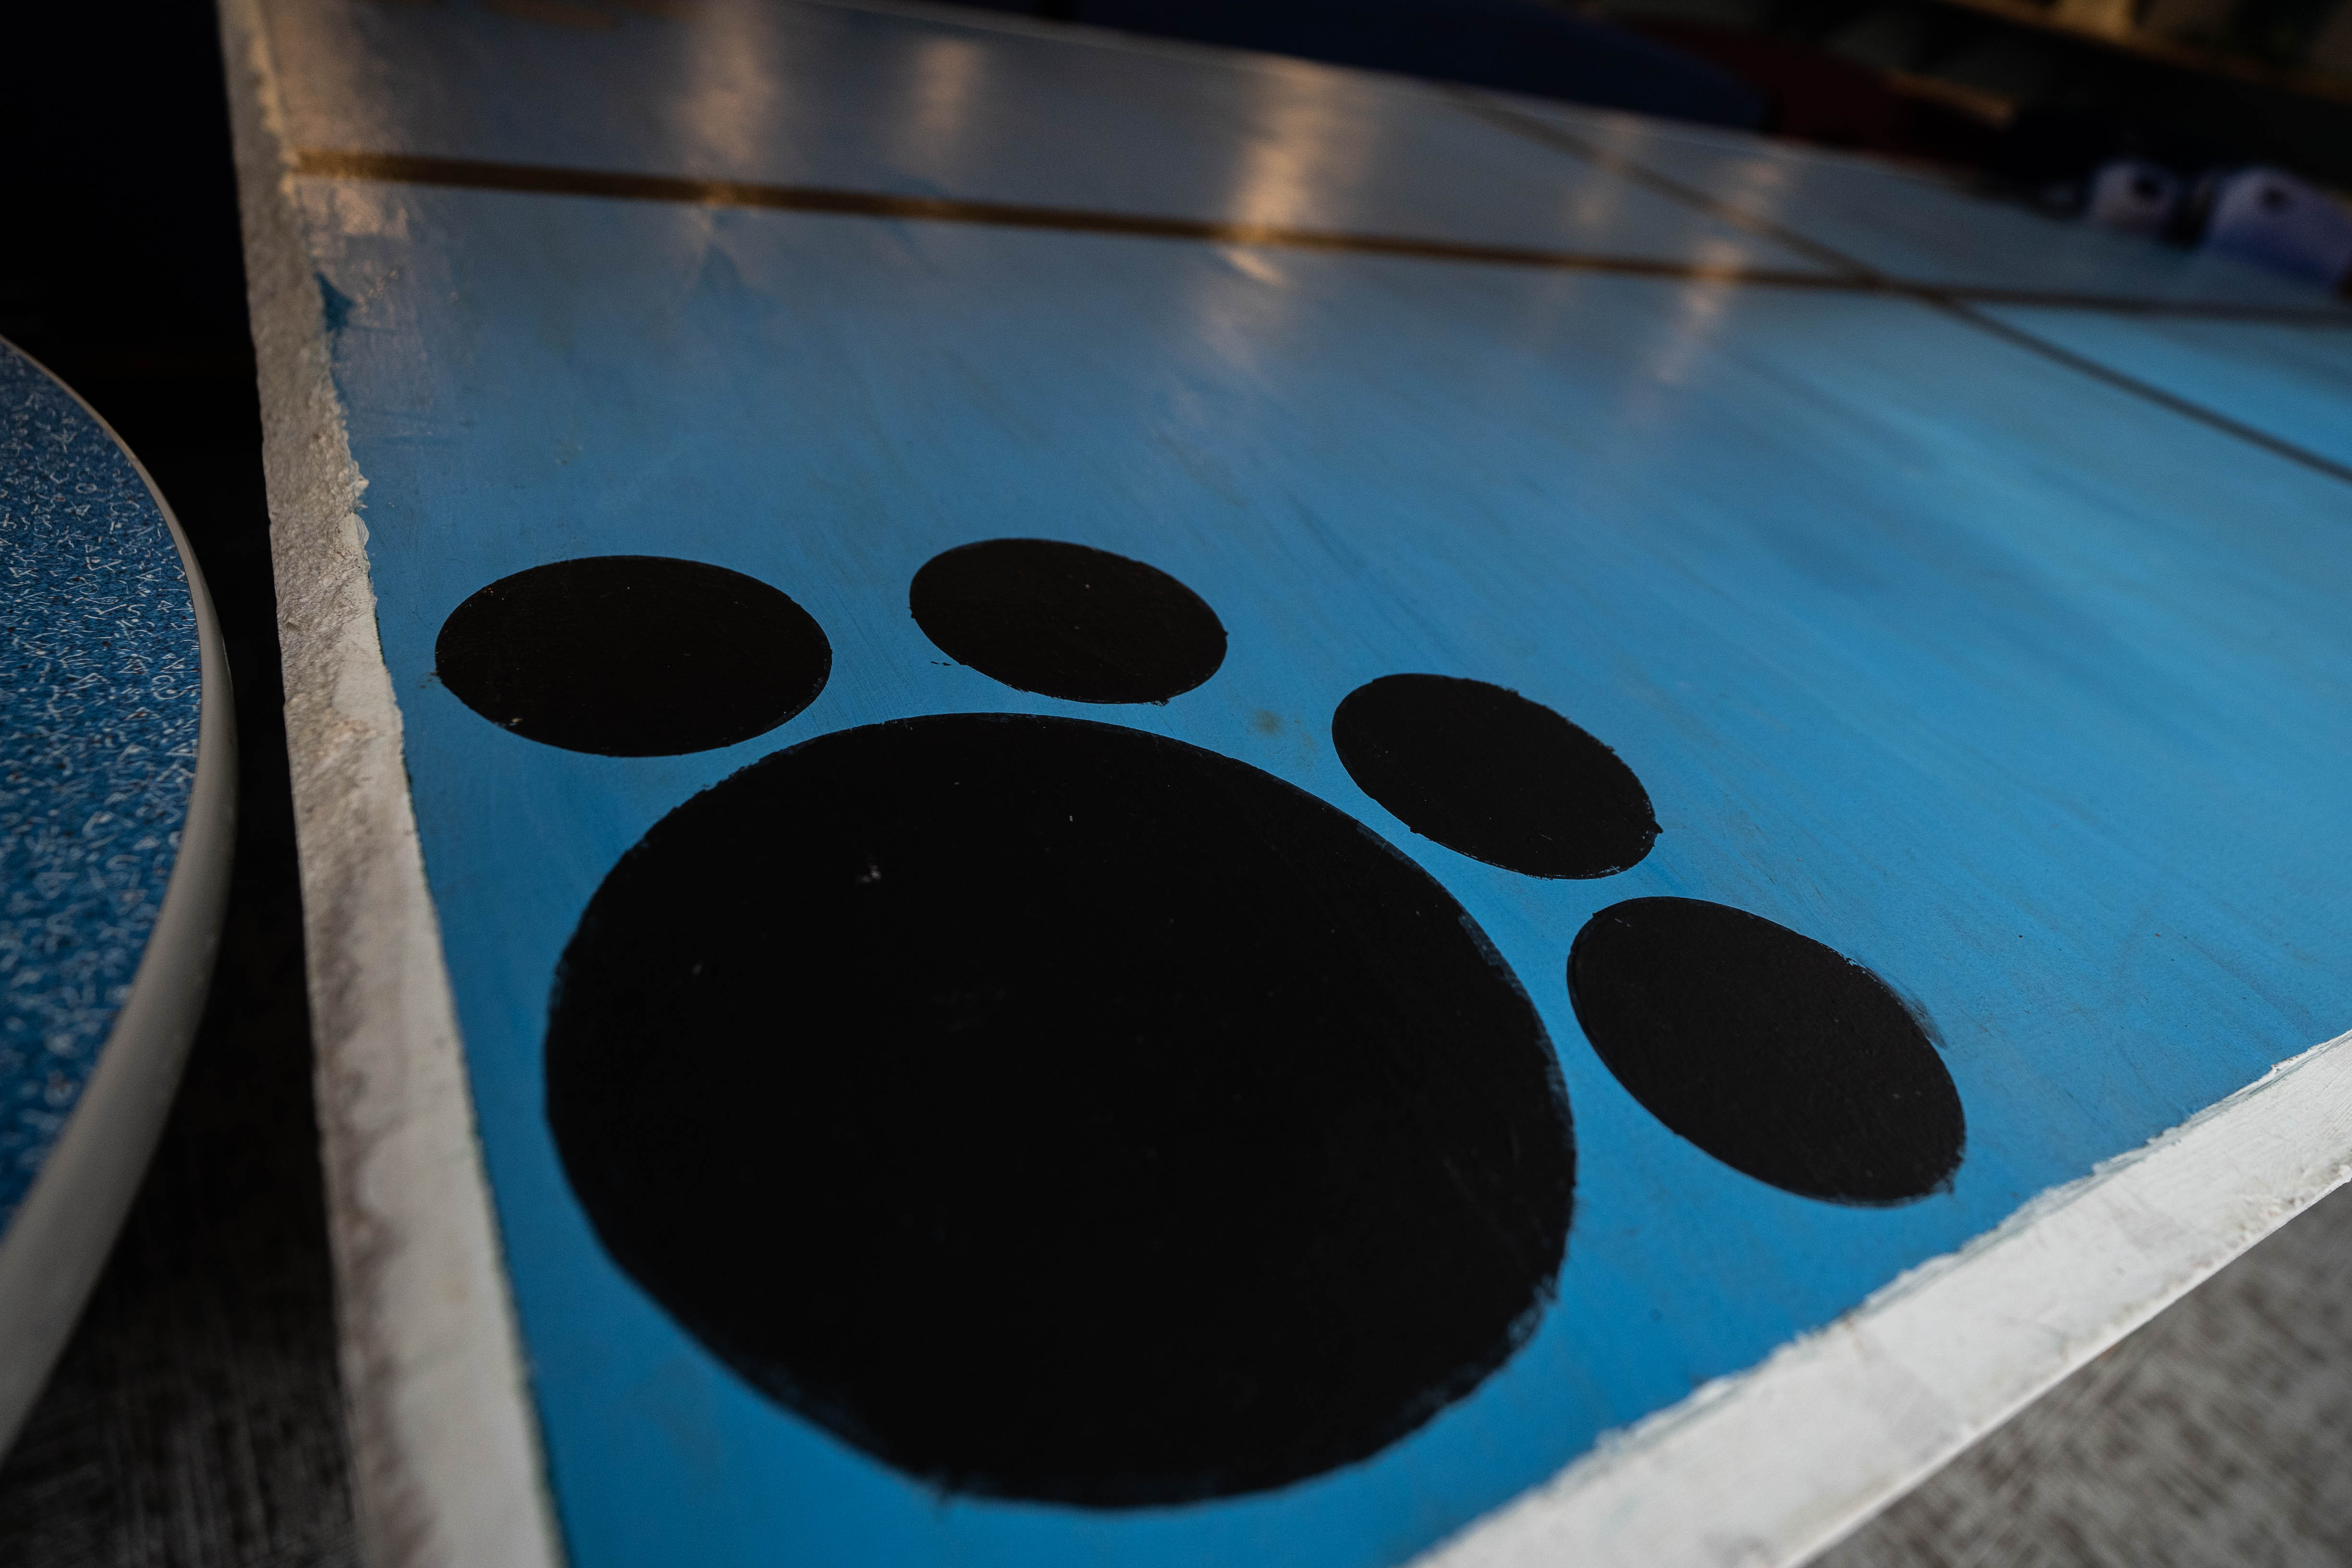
[1765, 1468]
[445, 1463]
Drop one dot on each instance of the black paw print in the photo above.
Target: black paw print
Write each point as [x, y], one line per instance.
[1059, 1111]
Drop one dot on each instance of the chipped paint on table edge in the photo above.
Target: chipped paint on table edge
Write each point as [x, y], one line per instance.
[447, 1467]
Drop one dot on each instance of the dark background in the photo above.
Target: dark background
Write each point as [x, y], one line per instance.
[195, 1420]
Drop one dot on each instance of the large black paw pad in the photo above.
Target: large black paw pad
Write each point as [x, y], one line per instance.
[632, 655]
[1483, 771]
[1058, 1111]
[1777, 1056]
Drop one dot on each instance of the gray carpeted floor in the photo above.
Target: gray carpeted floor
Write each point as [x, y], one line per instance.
[2220, 1435]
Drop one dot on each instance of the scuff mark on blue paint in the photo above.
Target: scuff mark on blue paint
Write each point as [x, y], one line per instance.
[335, 305]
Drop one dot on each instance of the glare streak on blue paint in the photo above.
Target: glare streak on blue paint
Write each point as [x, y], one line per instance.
[2026, 693]
[811, 95]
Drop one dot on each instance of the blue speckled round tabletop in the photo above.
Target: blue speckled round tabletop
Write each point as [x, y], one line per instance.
[99, 692]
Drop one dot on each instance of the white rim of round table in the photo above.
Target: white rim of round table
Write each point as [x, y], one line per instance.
[58, 1240]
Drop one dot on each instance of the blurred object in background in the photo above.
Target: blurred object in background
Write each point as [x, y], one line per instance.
[1519, 45]
[2221, 123]
[2054, 153]
[1814, 95]
[2272, 219]
[2149, 179]
[2040, 94]
[2134, 195]
[2282, 32]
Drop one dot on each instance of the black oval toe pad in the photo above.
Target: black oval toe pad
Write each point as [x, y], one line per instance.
[1484, 771]
[1067, 620]
[1775, 1054]
[632, 655]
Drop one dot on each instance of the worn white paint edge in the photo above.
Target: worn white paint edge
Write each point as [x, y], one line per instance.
[446, 1461]
[1767, 1466]
[57, 1243]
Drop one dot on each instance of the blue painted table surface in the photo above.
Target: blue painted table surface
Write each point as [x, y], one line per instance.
[2289, 381]
[2021, 686]
[99, 693]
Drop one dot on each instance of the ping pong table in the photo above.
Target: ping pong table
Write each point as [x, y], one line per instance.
[1067, 800]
